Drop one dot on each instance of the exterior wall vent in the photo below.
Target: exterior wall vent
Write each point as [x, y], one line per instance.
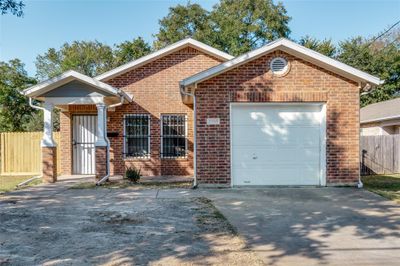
[279, 66]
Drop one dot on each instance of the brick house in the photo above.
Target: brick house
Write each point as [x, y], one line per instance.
[279, 115]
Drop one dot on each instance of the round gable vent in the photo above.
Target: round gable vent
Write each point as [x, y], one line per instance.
[279, 65]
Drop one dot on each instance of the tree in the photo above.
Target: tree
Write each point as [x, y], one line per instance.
[15, 111]
[241, 26]
[380, 58]
[90, 58]
[12, 6]
[130, 50]
[232, 26]
[325, 46]
[182, 22]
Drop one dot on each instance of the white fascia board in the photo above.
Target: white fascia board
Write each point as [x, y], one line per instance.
[74, 100]
[64, 78]
[380, 119]
[163, 52]
[291, 48]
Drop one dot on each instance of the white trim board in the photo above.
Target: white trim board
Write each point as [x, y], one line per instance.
[161, 53]
[380, 119]
[67, 77]
[291, 48]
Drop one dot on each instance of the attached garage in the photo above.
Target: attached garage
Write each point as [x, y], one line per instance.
[276, 144]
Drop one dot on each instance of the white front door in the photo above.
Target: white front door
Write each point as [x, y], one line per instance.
[277, 144]
[83, 139]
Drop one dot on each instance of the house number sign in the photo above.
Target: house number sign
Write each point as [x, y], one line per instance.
[213, 121]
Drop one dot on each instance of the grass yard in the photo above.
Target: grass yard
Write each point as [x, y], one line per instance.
[9, 183]
[387, 186]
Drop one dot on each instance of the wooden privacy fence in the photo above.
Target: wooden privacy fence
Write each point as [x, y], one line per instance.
[380, 154]
[21, 153]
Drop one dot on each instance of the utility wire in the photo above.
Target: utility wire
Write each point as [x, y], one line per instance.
[386, 31]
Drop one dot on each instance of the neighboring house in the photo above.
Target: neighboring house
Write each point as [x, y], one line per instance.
[381, 118]
[279, 115]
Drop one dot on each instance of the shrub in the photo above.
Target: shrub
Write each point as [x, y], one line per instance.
[132, 174]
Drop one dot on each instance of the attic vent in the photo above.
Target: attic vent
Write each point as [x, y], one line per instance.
[279, 65]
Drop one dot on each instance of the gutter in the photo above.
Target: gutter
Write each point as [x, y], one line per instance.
[107, 176]
[182, 89]
[380, 119]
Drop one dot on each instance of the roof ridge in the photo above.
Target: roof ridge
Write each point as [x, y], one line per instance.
[381, 102]
[163, 52]
[324, 61]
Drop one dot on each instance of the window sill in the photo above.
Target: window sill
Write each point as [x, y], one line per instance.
[175, 158]
[136, 159]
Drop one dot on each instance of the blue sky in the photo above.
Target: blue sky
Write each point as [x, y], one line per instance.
[51, 23]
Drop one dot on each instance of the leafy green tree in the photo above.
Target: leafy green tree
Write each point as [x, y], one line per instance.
[325, 46]
[241, 26]
[15, 111]
[12, 6]
[183, 21]
[130, 50]
[232, 26]
[90, 58]
[380, 58]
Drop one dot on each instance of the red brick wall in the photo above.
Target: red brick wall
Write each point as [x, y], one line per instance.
[155, 88]
[101, 159]
[253, 82]
[49, 164]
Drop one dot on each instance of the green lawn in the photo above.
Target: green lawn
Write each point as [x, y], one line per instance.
[8, 183]
[387, 186]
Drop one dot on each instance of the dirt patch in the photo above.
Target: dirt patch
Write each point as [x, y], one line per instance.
[211, 219]
[99, 226]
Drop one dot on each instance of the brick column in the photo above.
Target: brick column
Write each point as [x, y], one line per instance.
[49, 164]
[101, 162]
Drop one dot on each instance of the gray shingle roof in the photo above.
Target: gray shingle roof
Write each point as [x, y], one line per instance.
[380, 111]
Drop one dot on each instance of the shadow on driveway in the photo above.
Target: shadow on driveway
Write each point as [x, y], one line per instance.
[309, 226]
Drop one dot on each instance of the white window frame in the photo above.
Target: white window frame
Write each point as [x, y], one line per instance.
[162, 136]
[149, 137]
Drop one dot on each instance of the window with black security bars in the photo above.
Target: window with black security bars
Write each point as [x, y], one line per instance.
[173, 136]
[137, 136]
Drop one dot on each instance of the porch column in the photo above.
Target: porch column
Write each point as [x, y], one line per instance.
[49, 146]
[101, 143]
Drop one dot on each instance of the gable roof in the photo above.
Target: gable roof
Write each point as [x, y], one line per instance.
[161, 53]
[68, 76]
[291, 48]
[380, 111]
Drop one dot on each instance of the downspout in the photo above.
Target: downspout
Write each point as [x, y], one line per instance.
[194, 132]
[364, 90]
[39, 176]
[105, 178]
[34, 106]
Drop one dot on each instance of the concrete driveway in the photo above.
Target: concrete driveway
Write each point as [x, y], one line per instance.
[314, 226]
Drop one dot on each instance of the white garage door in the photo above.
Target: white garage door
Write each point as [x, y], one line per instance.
[278, 144]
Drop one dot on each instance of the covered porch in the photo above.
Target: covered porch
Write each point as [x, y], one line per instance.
[88, 145]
